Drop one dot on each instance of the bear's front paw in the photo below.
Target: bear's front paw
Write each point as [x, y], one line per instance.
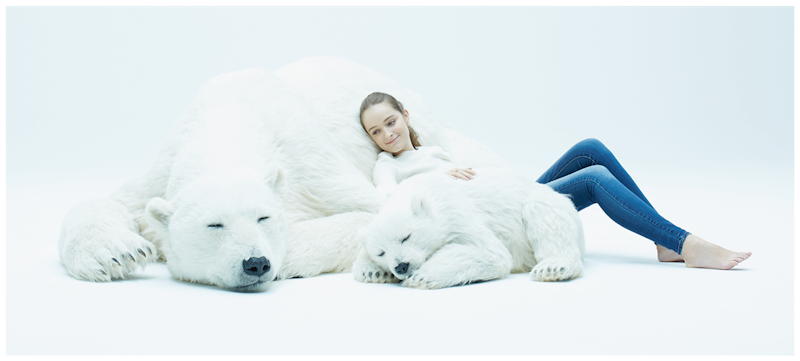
[367, 271]
[375, 276]
[422, 282]
[556, 270]
[101, 259]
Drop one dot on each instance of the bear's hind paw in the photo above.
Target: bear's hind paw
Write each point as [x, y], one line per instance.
[548, 271]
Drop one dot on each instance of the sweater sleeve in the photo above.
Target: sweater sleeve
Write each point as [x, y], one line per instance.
[384, 177]
[440, 153]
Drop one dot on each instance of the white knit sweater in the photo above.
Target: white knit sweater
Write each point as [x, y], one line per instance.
[390, 170]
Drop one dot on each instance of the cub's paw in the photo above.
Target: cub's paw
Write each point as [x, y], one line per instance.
[375, 276]
[422, 282]
[556, 269]
[367, 271]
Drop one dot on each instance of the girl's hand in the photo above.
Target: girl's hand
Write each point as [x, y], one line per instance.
[461, 173]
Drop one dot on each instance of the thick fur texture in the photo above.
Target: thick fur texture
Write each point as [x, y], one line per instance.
[436, 231]
[262, 164]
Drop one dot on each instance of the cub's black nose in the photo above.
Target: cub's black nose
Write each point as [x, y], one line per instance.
[256, 266]
[401, 268]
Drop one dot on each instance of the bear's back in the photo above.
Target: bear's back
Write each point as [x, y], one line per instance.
[336, 87]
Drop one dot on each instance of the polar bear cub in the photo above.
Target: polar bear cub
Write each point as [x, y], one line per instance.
[436, 231]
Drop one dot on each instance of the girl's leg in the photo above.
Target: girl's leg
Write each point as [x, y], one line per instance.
[596, 184]
[587, 153]
[626, 204]
[593, 152]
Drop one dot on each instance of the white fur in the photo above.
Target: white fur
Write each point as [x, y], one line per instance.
[287, 144]
[460, 232]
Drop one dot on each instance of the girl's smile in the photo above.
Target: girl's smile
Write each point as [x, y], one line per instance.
[388, 128]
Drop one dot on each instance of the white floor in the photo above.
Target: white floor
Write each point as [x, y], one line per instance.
[625, 302]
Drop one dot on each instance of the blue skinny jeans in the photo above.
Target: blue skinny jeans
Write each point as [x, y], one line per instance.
[590, 174]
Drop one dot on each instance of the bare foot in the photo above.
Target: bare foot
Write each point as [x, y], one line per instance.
[667, 255]
[698, 253]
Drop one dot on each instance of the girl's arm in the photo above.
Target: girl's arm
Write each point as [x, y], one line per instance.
[456, 172]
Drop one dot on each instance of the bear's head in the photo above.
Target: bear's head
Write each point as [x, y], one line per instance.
[224, 230]
[406, 232]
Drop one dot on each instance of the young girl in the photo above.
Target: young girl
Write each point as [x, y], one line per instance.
[588, 173]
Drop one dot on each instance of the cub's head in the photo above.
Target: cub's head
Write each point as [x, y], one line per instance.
[227, 231]
[406, 232]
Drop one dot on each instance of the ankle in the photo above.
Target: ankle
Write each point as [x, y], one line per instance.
[667, 255]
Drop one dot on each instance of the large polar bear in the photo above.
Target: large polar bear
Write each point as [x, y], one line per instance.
[437, 231]
[267, 175]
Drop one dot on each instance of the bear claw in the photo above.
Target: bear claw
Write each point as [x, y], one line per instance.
[421, 283]
[550, 272]
[377, 277]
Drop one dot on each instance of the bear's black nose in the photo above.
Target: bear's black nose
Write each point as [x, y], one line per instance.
[401, 268]
[256, 266]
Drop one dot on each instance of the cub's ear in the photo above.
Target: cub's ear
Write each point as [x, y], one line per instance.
[421, 206]
[157, 214]
[274, 176]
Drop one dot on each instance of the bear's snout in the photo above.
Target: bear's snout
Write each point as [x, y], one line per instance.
[256, 266]
[401, 268]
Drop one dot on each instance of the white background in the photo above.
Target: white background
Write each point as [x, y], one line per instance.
[697, 103]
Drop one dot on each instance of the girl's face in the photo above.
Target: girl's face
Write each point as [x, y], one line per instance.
[388, 128]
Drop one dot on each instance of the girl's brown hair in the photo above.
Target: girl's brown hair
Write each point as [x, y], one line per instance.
[377, 98]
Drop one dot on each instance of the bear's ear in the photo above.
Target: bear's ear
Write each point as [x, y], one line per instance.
[420, 206]
[157, 213]
[274, 176]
